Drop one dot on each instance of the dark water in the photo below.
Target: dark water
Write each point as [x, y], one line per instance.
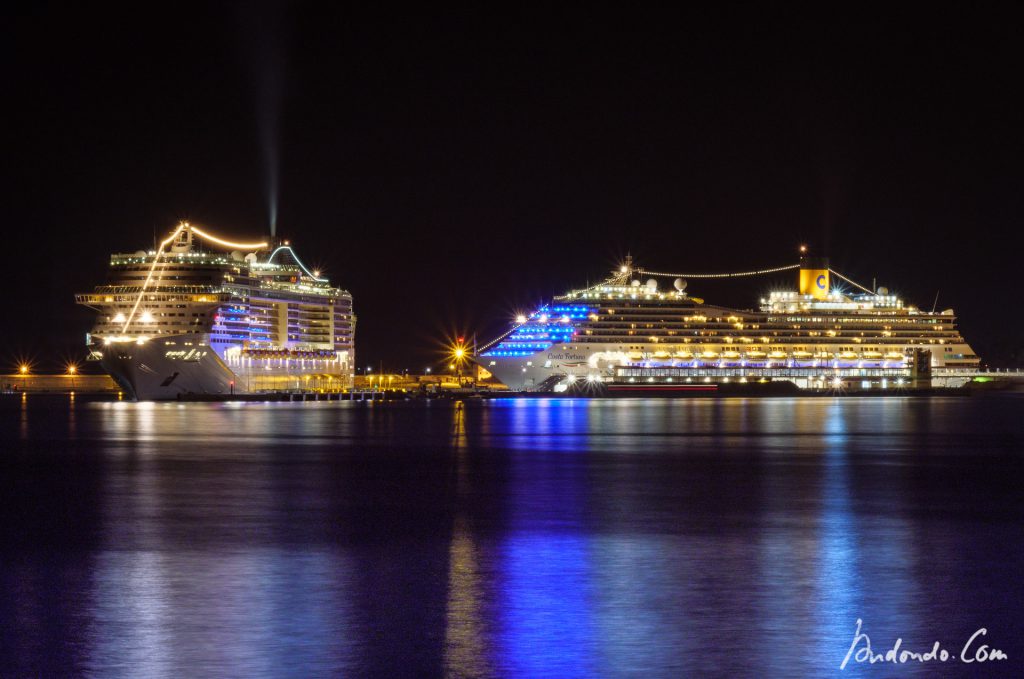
[558, 538]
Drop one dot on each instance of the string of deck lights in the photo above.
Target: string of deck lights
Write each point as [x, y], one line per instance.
[149, 276]
[312, 274]
[500, 338]
[853, 283]
[760, 272]
[226, 243]
[641, 271]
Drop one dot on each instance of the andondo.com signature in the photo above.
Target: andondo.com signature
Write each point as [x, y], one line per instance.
[973, 651]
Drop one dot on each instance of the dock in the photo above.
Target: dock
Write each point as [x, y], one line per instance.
[300, 396]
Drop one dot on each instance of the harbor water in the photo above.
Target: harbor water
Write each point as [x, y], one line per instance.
[510, 537]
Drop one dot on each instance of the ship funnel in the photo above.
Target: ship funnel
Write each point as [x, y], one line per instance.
[814, 277]
[183, 238]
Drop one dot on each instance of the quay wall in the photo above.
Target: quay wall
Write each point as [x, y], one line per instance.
[58, 383]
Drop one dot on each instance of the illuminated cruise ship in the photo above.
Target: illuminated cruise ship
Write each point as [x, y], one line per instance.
[220, 319]
[825, 333]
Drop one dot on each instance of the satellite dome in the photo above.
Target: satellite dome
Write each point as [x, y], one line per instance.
[140, 253]
[883, 290]
[251, 257]
[236, 255]
[635, 284]
[680, 284]
[652, 284]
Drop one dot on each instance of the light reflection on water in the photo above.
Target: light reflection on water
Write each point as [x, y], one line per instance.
[552, 537]
[227, 609]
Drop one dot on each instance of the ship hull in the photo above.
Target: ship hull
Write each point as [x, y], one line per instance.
[516, 375]
[527, 373]
[540, 370]
[153, 372]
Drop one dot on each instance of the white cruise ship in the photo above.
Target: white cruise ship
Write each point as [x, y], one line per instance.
[203, 315]
[826, 332]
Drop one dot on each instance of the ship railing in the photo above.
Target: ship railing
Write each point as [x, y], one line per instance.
[964, 372]
[294, 288]
[136, 289]
[100, 300]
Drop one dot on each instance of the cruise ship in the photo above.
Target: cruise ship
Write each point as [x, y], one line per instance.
[202, 315]
[631, 331]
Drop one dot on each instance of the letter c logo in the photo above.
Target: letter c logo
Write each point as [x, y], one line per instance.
[820, 281]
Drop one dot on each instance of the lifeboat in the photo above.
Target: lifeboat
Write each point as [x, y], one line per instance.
[661, 354]
[848, 355]
[802, 355]
[635, 355]
[684, 354]
[707, 355]
[894, 355]
[777, 355]
[731, 355]
[873, 355]
[756, 355]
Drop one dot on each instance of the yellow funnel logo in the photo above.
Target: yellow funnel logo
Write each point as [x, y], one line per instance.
[814, 282]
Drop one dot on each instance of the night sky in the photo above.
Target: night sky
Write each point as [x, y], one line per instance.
[450, 169]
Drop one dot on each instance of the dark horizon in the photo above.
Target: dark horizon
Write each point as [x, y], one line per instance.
[450, 169]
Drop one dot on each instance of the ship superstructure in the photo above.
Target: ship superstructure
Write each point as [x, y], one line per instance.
[202, 315]
[828, 331]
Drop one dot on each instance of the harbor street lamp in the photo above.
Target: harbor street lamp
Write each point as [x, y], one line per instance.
[459, 357]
